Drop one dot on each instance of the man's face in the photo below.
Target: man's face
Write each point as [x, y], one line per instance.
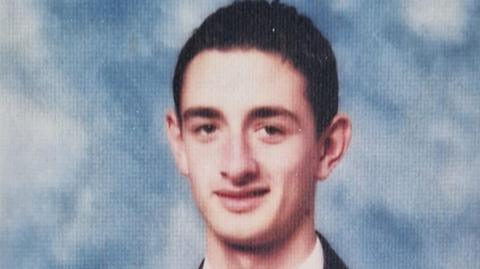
[248, 144]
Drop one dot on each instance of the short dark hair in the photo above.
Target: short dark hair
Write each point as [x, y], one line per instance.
[271, 27]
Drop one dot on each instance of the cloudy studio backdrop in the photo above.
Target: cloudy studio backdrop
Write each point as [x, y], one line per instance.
[87, 180]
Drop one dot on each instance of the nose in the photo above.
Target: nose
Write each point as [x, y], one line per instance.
[238, 164]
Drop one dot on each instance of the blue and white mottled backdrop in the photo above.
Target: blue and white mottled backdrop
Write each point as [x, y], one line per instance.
[86, 179]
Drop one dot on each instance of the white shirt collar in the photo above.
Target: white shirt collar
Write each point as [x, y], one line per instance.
[314, 261]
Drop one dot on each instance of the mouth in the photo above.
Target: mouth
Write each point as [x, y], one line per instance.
[243, 200]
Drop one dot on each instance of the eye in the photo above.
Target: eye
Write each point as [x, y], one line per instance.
[205, 129]
[271, 134]
[272, 130]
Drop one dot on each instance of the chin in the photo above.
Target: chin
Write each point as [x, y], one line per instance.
[245, 233]
[247, 241]
[258, 227]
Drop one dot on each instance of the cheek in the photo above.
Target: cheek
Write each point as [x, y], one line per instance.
[291, 168]
[202, 164]
[290, 160]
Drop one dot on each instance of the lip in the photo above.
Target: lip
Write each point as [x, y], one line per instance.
[242, 200]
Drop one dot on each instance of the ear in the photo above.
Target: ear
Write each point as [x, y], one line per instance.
[175, 139]
[333, 144]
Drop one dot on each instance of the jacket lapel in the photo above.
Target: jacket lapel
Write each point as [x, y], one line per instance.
[332, 261]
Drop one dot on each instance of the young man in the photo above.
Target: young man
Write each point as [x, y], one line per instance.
[255, 127]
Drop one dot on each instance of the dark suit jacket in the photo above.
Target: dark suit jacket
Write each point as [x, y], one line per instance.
[332, 261]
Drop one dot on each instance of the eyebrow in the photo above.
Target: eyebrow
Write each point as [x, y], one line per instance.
[201, 112]
[272, 111]
[256, 113]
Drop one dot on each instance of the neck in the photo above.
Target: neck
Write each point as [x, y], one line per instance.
[288, 252]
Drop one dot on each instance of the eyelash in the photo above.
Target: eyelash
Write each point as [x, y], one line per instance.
[205, 128]
[269, 133]
[270, 128]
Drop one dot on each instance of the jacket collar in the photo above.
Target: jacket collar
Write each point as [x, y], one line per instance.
[332, 261]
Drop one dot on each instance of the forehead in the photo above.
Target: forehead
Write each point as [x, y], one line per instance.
[238, 79]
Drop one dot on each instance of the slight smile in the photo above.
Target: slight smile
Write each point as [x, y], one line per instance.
[244, 200]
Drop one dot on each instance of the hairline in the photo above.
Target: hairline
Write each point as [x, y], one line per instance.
[317, 65]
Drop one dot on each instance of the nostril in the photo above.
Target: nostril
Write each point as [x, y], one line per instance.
[239, 179]
[237, 163]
